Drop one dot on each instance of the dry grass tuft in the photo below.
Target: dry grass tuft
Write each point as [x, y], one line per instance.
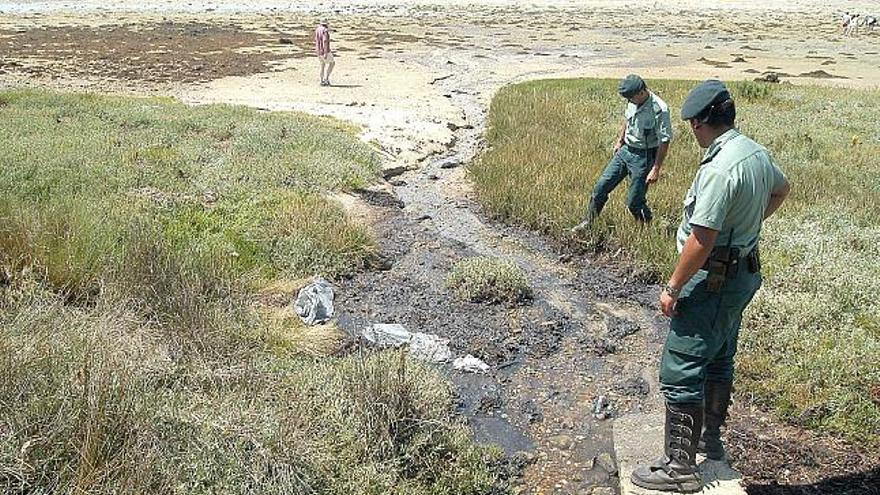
[486, 279]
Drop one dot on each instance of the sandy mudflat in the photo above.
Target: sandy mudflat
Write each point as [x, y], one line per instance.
[391, 53]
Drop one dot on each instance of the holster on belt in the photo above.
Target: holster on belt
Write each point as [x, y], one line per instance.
[753, 260]
[724, 263]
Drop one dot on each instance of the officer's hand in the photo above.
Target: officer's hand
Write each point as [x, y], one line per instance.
[667, 304]
[617, 146]
[653, 175]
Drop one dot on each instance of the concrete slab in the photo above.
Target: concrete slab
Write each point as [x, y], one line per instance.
[638, 438]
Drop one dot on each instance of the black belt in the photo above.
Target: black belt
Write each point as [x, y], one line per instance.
[731, 259]
[724, 263]
[637, 149]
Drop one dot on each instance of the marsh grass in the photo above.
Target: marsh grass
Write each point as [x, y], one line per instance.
[226, 181]
[108, 412]
[810, 343]
[136, 238]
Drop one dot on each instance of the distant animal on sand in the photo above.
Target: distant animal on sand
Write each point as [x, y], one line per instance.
[845, 20]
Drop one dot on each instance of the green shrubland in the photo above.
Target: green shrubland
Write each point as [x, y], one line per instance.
[810, 341]
[136, 236]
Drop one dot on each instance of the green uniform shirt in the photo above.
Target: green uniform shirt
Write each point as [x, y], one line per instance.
[649, 124]
[731, 192]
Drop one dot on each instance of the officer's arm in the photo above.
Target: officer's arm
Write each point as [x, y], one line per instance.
[621, 138]
[661, 154]
[696, 251]
[776, 198]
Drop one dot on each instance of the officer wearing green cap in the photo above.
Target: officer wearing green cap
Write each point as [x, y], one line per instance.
[639, 151]
[735, 189]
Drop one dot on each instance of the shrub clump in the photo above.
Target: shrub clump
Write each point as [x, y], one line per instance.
[753, 91]
[486, 279]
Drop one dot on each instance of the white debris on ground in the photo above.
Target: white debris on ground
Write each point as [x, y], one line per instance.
[422, 346]
[387, 334]
[314, 303]
[432, 348]
[470, 364]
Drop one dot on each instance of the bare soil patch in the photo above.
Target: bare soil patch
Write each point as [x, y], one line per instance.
[148, 53]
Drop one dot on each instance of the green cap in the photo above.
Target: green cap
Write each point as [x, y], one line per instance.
[630, 85]
[702, 97]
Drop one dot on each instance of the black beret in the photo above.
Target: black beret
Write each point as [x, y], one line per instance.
[702, 96]
[630, 85]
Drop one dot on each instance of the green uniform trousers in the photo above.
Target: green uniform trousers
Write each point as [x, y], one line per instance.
[634, 163]
[702, 338]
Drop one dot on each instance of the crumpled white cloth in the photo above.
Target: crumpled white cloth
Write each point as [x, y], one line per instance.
[470, 364]
[314, 303]
[422, 346]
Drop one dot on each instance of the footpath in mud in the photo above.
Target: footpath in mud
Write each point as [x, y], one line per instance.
[588, 335]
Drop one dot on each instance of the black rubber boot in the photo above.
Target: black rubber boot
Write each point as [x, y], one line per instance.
[677, 471]
[593, 211]
[717, 400]
[642, 215]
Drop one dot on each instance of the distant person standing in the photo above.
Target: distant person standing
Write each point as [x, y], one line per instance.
[325, 54]
[852, 25]
[736, 188]
[845, 22]
[639, 151]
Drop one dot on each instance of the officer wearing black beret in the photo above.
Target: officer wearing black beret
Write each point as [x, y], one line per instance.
[718, 272]
[639, 151]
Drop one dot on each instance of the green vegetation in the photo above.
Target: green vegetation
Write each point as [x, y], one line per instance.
[238, 188]
[810, 343]
[137, 237]
[486, 279]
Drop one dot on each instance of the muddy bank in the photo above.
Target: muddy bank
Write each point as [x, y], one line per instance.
[580, 338]
[782, 459]
[548, 367]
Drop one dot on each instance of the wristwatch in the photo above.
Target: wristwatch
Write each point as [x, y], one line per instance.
[672, 291]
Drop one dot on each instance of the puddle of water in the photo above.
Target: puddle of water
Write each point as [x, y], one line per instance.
[491, 430]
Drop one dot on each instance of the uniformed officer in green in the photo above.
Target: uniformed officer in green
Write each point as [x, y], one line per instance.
[639, 151]
[718, 272]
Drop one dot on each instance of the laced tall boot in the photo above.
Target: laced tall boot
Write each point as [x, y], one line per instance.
[717, 400]
[678, 470]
